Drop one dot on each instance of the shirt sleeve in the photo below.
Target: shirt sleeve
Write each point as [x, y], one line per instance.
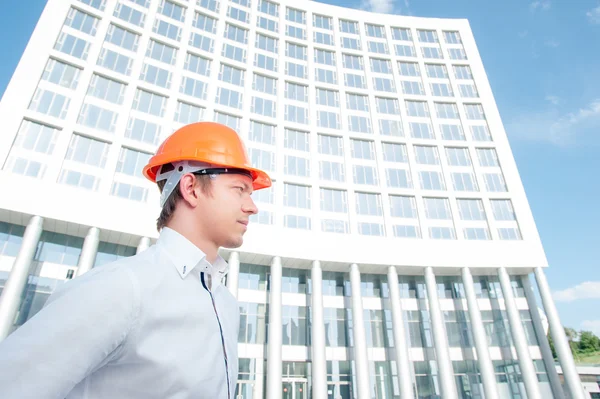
[82, 326]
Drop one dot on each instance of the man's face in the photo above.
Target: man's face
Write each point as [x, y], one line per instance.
[226, 210]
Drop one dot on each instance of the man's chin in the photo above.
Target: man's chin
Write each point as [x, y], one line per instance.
[234, 243]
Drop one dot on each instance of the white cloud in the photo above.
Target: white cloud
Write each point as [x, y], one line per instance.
[574, 128]
[381, 6]
[539, 4]
[554, 100]
[585, 290]
[594, 15]
[552, 43]
[385, 6]
[591, 325]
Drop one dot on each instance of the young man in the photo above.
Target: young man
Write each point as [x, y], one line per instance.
[159, 324]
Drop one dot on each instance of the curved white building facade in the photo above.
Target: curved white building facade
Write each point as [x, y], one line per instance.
[391, 257]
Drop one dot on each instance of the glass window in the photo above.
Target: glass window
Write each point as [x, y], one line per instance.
[266, 43]
[436, 71]
[155, 75]
[11, 237]
[262, 133]
[352, 43]
[87, 151]
[503, 210]
[143, 131]
[368, 204]
[442, 90]
[122, 38]
[188, 113]
[205, 23]
[403, 207]
[49, 103]
[494, 182]
[294, 91]
[129, 14]
[268, 24]
[393, 152]
[296, 114]
[330, 145]
[364, 174]
[452, 132]
[229, 98]
[362, 149]
[437, 208]
[481, 133]
[253, 316]
[172, 10]
[417, 108]
[471, 209]
[297, 166]
[253, 277]
[333, 200]
[197, 64]
[427, 155]
[262, 158]
[239, 15]
[331, 171]
[150, 103]
[349, 26]
[458, 156]
[115, 61]
[297, 222]
[236, 34]
[193, 87]
[487, 157]
[464, 181]
[265, 62]
[360, 124]
[97, 118]
[264, 84]
[106, 89]
[36, 137]
[211, 5]
[263, 106]
[161, 52]
[462, 72]
[268, 7]
[375, 30]
[446, 111]
[325, 76]
[330, 98]
[403, 50]
[431, 180]
[468, 90]
[442, 233]
[205, 43]
[476, 233]
[71, 45]
[421, 130]
[427, 36]
[296, 196]
[371, 229]
[325, 57]
[322, 22]
[295, 325]
[82, 21]
[390, 128]
[231, 75]
[295, 51]
[398, 178]
[474, 112]
[413, 88]
[297, 140]
[323, 38]
[401, 34]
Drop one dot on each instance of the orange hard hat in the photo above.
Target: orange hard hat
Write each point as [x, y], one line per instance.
[209, 143]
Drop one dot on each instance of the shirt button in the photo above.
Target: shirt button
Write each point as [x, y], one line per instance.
[184, 269]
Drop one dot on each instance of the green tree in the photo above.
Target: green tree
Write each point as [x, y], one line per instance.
[588, 342]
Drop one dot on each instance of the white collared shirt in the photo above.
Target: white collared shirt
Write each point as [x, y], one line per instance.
[142, 327]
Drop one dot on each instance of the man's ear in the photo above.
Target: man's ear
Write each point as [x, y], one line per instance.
[188, 187]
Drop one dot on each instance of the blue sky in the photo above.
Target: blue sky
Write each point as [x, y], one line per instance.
[542, 58]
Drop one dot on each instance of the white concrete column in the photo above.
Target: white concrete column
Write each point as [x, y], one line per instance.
[486, 368]
[17, 279]
[89, 251]
[400, 337]
[274, 366]
[319, 364]
[557, 331]
[233, 275]
[143, 245]
[360, 341]
[542, 340]
[518, 334]
[440, 339]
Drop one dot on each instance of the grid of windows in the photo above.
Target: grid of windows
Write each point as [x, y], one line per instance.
[310, 108]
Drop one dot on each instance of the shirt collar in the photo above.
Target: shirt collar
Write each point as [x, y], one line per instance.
[187, 257]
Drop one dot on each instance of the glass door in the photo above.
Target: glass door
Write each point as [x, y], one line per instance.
[294, 389]
[245, 390]
[339, 390]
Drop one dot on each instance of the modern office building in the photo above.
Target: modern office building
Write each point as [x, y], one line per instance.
[392, 256]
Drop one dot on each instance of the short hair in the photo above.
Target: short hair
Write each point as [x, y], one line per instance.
[171, 203]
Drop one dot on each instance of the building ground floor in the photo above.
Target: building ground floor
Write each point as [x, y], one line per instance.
[314, 329]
